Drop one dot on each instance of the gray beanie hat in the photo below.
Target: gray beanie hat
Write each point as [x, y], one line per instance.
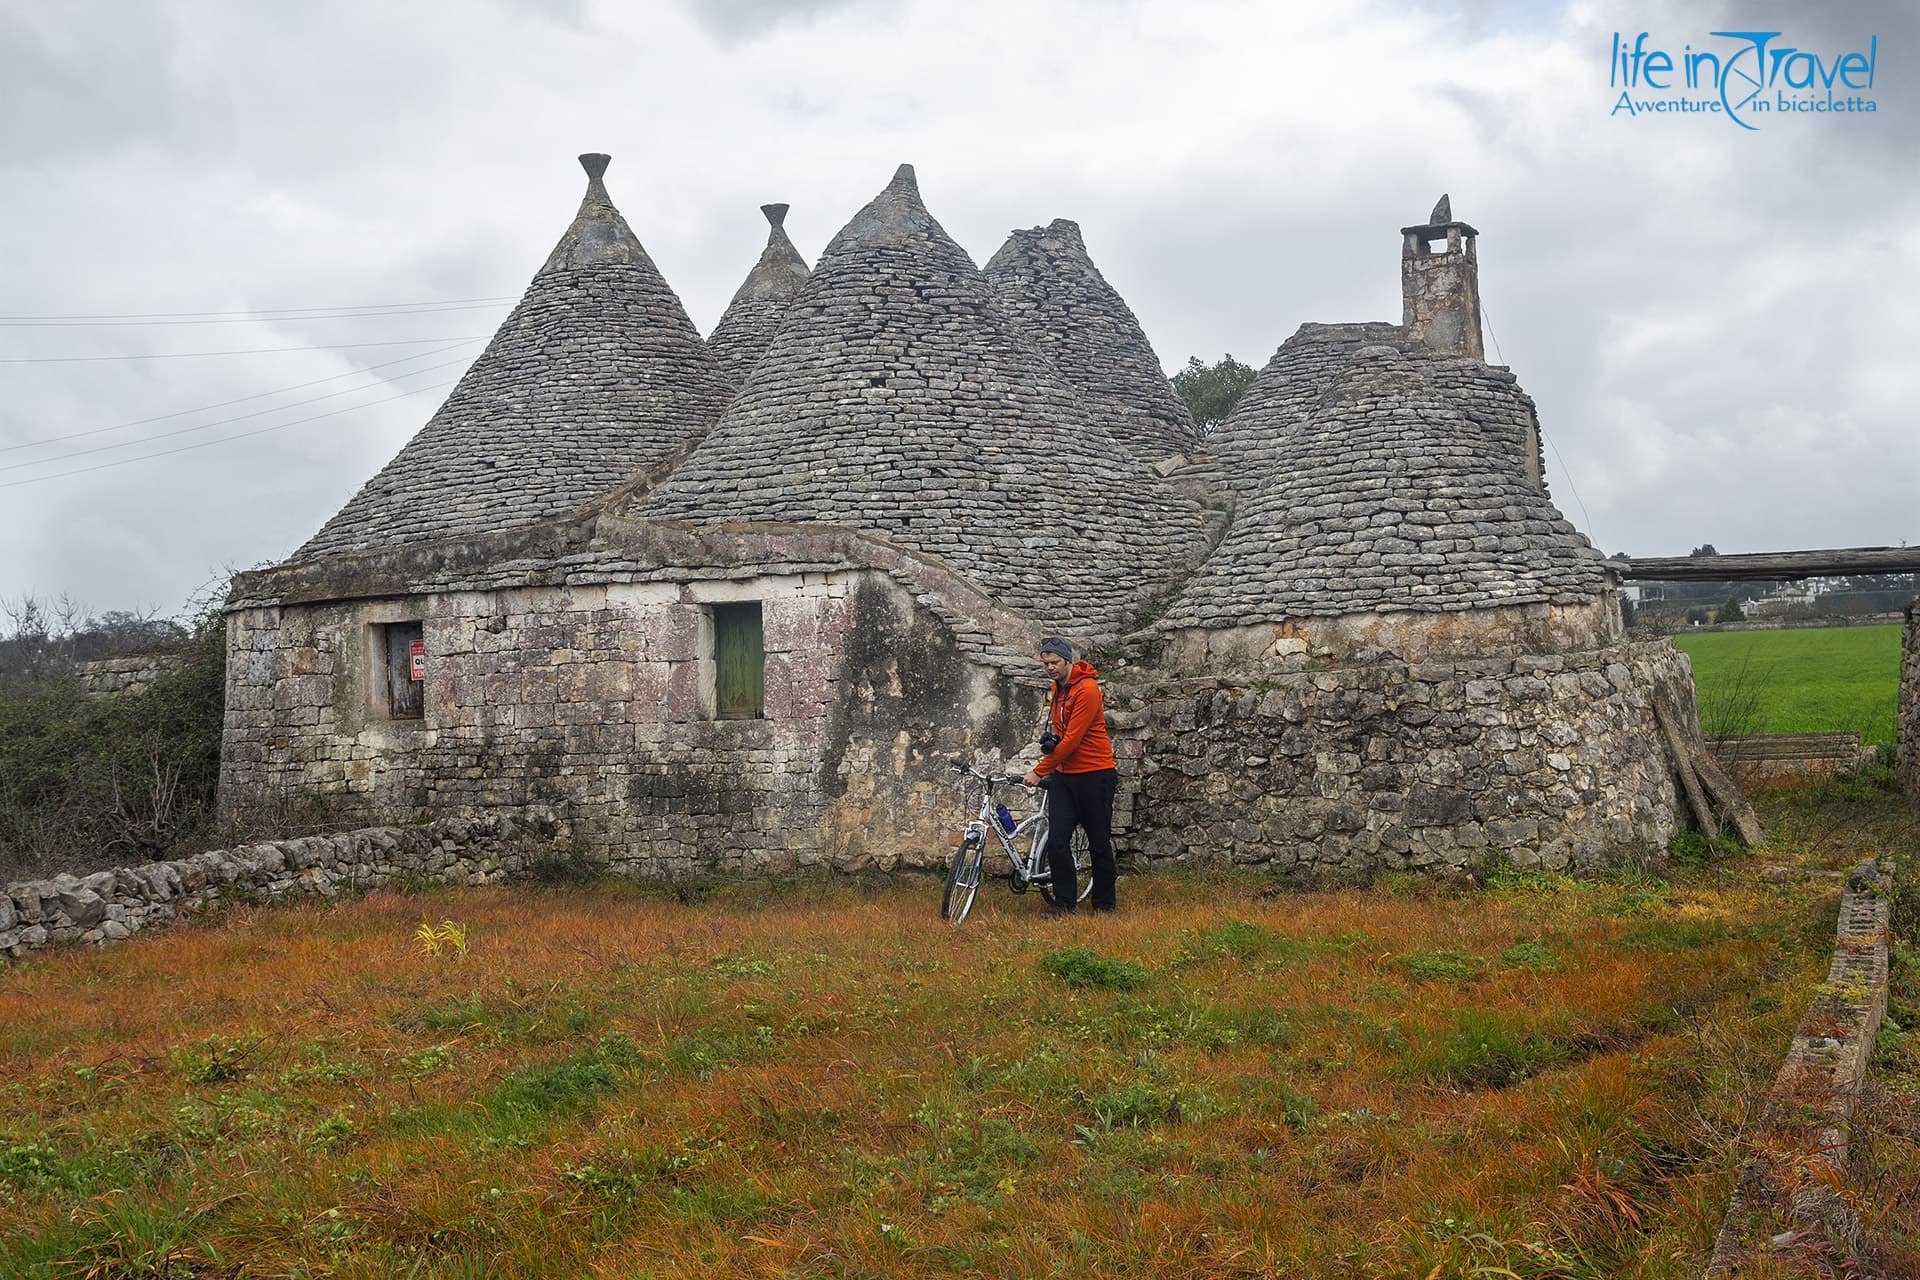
[1059, 645]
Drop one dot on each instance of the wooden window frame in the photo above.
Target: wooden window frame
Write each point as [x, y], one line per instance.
[734, 637]
[389, 666]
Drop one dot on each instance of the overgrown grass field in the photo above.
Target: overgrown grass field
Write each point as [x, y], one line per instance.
[1802, 680]
[1546, 1077]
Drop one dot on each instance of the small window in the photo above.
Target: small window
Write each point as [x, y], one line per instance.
[739, 662]
[404, 670]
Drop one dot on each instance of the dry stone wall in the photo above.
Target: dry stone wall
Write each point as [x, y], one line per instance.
[1907, 752]
[110, 906]
[105, 676]
[1543, 760]
[596, 699]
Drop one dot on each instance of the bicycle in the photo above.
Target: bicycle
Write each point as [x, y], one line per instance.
[1029, 868]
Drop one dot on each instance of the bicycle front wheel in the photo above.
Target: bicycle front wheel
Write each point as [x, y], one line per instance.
[1082, 869]
[963, 880]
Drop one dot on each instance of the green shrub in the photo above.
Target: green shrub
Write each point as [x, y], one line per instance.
[1081, 966]
[1690, 849]
[90, 782]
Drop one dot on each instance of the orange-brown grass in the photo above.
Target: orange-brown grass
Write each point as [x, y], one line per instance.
[1546, 1077]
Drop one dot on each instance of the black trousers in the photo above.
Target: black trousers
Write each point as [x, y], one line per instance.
[1083, 800]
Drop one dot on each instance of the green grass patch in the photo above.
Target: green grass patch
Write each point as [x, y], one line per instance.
[1441, 964]
[1531, 955]
[1485, 1048]
[1080, 966]
[1675, 935]
[1803, 680]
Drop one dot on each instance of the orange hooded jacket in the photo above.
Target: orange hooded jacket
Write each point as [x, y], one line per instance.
[1079, 716]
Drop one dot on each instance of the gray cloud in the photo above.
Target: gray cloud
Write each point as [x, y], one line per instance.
[1713, 323]
[740, 21]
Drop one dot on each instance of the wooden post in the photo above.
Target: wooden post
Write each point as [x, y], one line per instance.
[1682, 755]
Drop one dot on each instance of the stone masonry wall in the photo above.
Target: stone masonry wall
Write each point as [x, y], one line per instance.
[589, 698]
[110, 906]
[1907, 733]
[1547, 760]
[105, 676]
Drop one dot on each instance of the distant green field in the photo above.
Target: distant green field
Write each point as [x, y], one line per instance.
[1800, 681]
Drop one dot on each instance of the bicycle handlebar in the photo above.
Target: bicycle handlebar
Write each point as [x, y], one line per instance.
[992, 780]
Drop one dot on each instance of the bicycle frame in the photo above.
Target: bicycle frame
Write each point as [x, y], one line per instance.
[1028, 868]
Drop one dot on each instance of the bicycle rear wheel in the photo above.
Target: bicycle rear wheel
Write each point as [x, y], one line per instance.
[963, 879]
[1082, 869]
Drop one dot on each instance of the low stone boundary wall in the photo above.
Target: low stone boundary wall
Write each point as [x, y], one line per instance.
[1646, 631]
[1808, 1116]
[1907, 717]
[106, 676]
[109, 906]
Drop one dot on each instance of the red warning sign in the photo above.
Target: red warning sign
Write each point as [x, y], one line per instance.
[417, 659]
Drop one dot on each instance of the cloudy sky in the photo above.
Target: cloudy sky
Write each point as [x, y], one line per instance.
[1718, 323]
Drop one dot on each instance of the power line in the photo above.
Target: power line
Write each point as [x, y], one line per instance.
[218, 422]
[224, 404]
[256, 311]
[246, 319]
[238, 435]
[245, 351]
[1571, 487]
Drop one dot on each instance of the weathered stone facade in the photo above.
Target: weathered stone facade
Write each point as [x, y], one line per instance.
[1907, 732]
[1405, 656]
[1544, 760]
[582, 683]
[110, 906]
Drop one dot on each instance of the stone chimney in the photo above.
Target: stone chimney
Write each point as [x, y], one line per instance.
[1440, 284]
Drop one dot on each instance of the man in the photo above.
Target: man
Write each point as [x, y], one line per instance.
[1079, 775]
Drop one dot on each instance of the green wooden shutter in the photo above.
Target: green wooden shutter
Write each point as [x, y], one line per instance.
[739, 662]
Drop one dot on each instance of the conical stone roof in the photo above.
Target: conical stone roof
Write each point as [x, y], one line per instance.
[596, 374]
[898, 398]
[1404, 489]
[1247, 446]
[761, 302]
[1049, 285]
